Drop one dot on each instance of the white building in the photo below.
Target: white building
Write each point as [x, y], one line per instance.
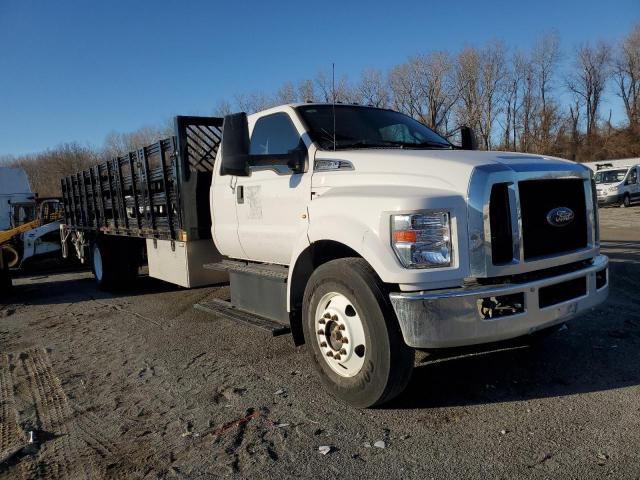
[14, 189]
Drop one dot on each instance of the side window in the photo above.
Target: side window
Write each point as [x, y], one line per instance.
[274, 135]
[633, 177]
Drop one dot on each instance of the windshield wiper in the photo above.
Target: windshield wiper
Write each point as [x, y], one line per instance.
[365, 144]
[423, 144]
[394, 144]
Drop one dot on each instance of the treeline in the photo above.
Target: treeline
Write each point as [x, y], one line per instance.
[539, 101]
[45, 169]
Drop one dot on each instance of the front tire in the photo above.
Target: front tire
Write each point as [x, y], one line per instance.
[353, 335]
[626, 202]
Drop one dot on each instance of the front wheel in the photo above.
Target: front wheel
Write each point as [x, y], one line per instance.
[626, 202]
[353, 336]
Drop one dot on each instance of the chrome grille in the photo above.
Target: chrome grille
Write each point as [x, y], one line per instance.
[506, 208]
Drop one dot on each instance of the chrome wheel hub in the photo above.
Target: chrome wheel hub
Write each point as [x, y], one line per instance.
[340, 334]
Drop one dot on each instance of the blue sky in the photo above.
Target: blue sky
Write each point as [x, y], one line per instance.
[77, 70]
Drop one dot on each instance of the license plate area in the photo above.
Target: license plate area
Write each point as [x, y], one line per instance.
[562, 292]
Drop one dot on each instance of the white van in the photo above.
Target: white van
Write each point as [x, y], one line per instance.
[618, 186]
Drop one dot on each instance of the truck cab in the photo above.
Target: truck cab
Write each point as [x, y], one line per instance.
[392, 239]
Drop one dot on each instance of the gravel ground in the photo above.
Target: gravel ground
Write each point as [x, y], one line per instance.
[145, 386]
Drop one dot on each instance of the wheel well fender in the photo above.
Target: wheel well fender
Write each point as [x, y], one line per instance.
[306, 262]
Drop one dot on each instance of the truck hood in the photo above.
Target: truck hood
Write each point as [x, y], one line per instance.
[448, 170]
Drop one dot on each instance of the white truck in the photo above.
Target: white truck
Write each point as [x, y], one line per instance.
[360, 230]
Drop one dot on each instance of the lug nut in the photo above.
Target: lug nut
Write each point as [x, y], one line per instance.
[329, 354]
[336, 356]
[334, 318]
[327, 315]
[322, 321]
[345, 340]
[323, 344]
[321, 332]
[341, 327]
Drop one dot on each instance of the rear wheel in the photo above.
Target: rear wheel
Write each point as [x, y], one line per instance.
[102, 265]
[114, 262]
[353, 336]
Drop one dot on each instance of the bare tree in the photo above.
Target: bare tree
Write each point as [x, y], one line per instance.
[405, 90]
[117, 144]
[544, 63]
[588, 81]
[492, 81]
[306, 91]
[223, 107]
[339, 91]
[468, 85]
[526, 119]
[45, 169]
[373, 89]
[513, 94]
[480, 76]
[253, 102]
[435, 85]
[574, 116]
[626, 67]
[287, 94]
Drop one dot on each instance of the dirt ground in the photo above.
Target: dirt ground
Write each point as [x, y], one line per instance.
[144, 386]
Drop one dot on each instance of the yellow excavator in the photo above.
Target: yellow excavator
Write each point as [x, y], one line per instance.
[29, 227]
[49, 213]
[10, 256]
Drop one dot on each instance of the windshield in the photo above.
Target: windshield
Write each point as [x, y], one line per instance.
[611, 176]
[366, 127]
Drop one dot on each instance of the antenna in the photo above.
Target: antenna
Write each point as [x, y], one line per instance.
[333, 105]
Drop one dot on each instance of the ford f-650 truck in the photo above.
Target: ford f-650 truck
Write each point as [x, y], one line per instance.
[360, 230]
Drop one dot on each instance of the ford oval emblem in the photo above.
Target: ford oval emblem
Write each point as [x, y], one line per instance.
[560, 217]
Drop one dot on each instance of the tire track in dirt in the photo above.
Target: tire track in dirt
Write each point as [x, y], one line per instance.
[12, 438]
[58, 456]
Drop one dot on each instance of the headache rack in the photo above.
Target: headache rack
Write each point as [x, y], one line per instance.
[159, 191]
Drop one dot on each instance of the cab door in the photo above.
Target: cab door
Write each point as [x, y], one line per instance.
[271, 203]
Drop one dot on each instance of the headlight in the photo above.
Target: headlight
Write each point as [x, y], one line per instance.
[422, 240]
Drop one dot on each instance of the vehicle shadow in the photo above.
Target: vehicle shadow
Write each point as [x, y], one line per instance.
[49, 288]
[596, 352]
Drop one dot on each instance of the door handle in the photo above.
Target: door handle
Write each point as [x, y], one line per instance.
[240, 194]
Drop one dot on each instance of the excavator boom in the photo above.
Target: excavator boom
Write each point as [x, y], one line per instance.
[7, 235]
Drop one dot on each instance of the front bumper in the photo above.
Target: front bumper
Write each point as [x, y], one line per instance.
[614, 199]
[452, 318]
